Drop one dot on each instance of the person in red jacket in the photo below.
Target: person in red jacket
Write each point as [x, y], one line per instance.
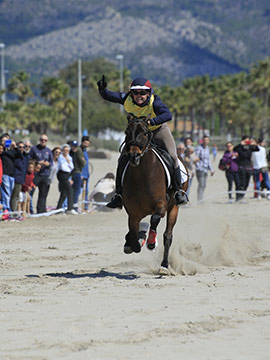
[27, 186]
[1, 167]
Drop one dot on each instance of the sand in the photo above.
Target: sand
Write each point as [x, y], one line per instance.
[67, 290]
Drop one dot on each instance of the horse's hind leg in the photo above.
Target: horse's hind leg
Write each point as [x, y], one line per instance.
[152, 237]
[168, 236]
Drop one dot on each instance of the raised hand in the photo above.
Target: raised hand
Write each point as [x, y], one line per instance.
[102, 83]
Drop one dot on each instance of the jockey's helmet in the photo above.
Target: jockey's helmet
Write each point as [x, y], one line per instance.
[140, 84]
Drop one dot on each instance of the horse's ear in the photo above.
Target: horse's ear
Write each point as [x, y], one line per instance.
[130, 117]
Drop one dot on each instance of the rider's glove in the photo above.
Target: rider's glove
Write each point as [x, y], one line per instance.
[102, 83]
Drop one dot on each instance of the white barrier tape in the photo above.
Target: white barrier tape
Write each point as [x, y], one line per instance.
[48, 213]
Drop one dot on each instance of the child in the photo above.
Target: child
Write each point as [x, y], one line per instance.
[28, 186]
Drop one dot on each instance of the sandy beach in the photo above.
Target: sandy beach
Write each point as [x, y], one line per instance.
[68, 291]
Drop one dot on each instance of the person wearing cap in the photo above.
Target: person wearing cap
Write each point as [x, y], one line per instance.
[141, 101]
[79, 161]
[43, 155]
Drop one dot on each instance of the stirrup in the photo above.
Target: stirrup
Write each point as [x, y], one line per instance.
[116, 202]
[180, 198]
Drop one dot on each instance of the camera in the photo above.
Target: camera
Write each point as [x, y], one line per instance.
[8, 143]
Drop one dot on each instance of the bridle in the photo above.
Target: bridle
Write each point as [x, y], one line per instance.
[138, 148]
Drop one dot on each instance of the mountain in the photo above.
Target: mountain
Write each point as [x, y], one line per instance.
[164, 40]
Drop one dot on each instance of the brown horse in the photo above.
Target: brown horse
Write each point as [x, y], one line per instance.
[145, 191]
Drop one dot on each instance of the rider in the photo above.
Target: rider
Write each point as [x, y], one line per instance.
[141, 101]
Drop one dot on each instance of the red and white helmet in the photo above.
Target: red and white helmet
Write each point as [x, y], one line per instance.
[140, 84]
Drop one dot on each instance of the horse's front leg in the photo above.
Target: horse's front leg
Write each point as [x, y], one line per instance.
[168, 236]
[152, 237]
[133, 224]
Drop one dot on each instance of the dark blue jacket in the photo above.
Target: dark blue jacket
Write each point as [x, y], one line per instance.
[162, 111]
[21, 165]
[39, 153]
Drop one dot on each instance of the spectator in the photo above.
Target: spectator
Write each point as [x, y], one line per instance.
[181, 150]
[78, 162]
[56, 151]
[214, 151]
[37, 168]
[20, 172]
[43, 155]
[27, 187]
[1, 167]
[3, 138]
[260, 168]
[27, 146]
[188, 141]
[1, 173]
[245, 150]
[85, 171]
[231, 172]
[8, 157]
[190, 160]
[65, 166]
[203, 165]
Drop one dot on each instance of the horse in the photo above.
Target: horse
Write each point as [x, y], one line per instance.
[145, 191]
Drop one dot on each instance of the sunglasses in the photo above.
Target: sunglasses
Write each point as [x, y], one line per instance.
[44, 140]
[142, 92]
[27, 146]
[21, 147]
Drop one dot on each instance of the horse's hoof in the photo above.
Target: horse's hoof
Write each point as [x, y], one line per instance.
[136, 248]
[152, 240]
[128, 250]
[164, 271]
[152, 246]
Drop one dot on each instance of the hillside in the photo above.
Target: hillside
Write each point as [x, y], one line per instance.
[164, 40]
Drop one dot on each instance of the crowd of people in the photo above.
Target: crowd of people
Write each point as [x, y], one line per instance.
[198, 162]
[26, 168]
[240, 163]
[243, 161]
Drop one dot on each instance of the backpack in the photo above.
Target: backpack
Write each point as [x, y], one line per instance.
[222, 165]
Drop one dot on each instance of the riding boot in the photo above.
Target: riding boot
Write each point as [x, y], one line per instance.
[116, 201]
[179, 196]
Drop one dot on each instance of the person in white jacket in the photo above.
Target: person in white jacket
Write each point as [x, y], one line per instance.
[65, 166]
[260, 168]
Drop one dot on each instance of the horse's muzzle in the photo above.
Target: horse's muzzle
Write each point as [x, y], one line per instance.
[134, 155]
[134, 159]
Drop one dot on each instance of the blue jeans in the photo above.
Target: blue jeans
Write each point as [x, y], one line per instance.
[265, 176]
[202, 178]
[76, 186]
[7, 186]
[86, 181]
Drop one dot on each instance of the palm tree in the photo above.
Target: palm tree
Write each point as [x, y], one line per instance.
[53, 89]
[18, 85]
[260, 86]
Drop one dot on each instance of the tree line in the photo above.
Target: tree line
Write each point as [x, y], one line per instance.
[234, 104]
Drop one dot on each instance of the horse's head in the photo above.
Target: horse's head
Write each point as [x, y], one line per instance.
[138, 138]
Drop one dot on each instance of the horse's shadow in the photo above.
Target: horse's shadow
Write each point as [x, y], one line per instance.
[101, 274]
